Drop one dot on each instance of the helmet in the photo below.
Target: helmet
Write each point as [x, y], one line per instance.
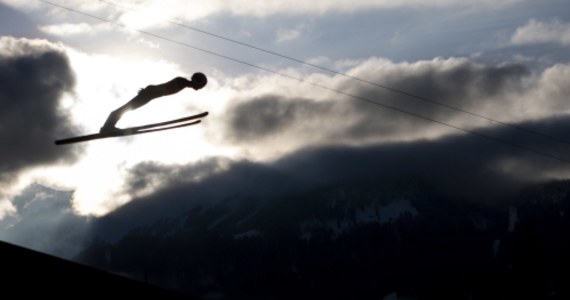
[199, 80]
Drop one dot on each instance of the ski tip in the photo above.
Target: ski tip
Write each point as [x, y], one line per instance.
[60, 142]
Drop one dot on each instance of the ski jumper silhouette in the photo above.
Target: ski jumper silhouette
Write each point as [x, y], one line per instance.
[145, 95]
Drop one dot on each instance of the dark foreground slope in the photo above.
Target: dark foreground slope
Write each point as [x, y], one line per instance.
[30, 273]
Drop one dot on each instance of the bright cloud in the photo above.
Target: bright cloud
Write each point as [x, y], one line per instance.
[66, 29]
[287, 35]
[536, 32]
[100, 84]
[103, 84]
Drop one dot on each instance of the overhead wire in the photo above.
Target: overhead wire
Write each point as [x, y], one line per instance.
[386, 106]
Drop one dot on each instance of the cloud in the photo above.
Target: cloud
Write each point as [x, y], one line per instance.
[264, 117]
[536, 32]
[178, 188]
[34, 75]
[284, 35]
[323, 6]
[305, 115]
[19, 3]
[271, 115]
[80, 107]
[148, 13]
[461, 167]
[316, 137]
[45, 222]
[67, 29]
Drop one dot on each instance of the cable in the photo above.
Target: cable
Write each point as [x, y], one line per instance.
[391, 89]
[481, 135]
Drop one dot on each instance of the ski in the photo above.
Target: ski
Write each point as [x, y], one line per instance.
[154, 127]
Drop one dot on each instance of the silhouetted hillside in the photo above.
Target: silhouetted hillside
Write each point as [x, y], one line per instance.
[356, 241]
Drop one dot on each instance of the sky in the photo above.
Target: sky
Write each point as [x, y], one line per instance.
[476, 90]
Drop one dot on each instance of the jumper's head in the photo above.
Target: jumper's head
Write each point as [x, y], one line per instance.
[199, 80]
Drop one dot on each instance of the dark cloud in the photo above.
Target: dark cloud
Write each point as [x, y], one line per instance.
[465, 167]
[33, 77]
[271, 115]
[179, 191]
[455, 82]
[462, 167]
[448, 89]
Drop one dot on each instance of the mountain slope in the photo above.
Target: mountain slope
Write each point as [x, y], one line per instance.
[355, 239]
